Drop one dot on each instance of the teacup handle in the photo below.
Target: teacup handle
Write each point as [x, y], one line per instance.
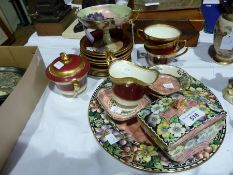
[140, 34]
[76, 86]
[181, 44]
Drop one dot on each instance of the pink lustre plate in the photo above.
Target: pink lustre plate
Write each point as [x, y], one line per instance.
[171, 79]
[116, 112]
[127, 142]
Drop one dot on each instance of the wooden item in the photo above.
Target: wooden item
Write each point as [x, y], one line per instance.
[54, 29]
[6, 37]
[152, 5]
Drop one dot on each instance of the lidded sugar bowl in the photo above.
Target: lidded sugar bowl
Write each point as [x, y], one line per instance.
[69, 73]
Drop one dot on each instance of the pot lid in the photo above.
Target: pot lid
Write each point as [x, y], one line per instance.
[67, 67]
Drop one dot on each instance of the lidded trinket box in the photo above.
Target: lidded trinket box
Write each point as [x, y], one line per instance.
[182, 124]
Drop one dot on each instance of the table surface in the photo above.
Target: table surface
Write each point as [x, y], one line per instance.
[57, 139]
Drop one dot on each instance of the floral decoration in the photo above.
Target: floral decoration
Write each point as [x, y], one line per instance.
[143, 156]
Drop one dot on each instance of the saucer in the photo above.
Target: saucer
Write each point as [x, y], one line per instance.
[173, 79]
[165, 85]
[116, 112]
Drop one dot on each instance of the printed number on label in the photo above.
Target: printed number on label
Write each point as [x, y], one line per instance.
[192, 115]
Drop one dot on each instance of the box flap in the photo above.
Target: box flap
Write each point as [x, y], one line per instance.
[17, 56]
[17, 108]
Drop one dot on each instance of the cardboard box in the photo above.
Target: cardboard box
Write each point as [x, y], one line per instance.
[18, 107]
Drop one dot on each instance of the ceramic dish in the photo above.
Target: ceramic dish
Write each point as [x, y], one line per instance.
[171, 80]
[117, 34]
[133, 148]
[9, 77]
[116, 112]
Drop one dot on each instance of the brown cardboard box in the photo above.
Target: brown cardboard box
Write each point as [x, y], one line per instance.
[18, 107]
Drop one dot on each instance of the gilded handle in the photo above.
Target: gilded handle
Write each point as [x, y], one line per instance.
[76, 86]
[110, 57]
[181, 44]
[135, 14]
[140, 34]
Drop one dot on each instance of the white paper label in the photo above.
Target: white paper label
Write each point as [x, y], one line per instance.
[58, 65]
[89, 36]
[168, 85]
[227, 42]
[116, 109]
[192, 115]
[91, 49]
[111, 138]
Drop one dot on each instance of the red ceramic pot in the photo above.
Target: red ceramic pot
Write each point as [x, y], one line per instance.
[69, 73]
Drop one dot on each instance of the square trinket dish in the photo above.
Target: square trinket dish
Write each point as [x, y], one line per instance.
[182, 124]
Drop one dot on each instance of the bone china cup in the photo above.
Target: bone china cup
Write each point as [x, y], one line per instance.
[162, 38]
[130, 82]
[69, 73]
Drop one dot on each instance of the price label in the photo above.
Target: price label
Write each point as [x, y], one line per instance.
[116, 109]
[58, 65]
[168, 85]
[91, 49]
[227, 42]
[89, 36]
[111, 138]
[192, 115]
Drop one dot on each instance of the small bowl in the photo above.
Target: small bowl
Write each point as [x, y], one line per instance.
[69, 73]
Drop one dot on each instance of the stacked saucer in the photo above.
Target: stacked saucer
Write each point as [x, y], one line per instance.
[100, 57]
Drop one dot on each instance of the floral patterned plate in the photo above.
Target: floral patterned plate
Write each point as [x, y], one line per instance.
[127, 142]
[116, 112]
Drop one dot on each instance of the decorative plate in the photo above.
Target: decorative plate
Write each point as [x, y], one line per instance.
[127, 142]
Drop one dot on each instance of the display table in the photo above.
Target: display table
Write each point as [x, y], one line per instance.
[58, 140]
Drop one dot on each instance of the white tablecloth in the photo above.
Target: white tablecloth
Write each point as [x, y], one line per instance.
[57, 139]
